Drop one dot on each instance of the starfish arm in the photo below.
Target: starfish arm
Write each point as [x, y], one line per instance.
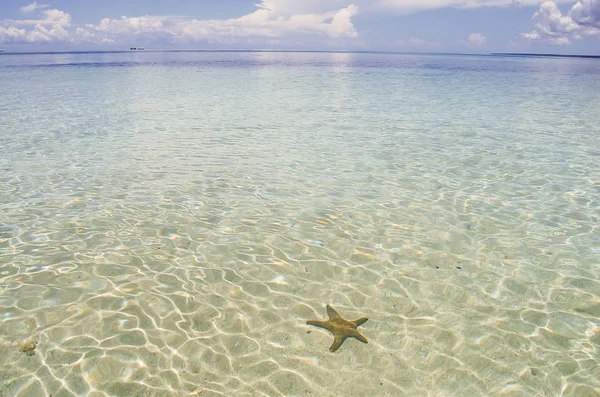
[332, 313]
[360, 321]
[320, 324]
[337, 342]
[360, 338]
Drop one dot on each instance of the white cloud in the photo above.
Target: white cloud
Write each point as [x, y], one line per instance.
[552, 27]
[267, 22]
[50, 26]
[587, 13]
[287, 8]
[290, 7]
[11, 34]
[477, 40]
[327, 22]
[47, 17]
[32, 7]
[409, 6]
[40, 34]
[273, 19]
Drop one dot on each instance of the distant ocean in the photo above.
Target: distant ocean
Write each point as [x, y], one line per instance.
[169, 221]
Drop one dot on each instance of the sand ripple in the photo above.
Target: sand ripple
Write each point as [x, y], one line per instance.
[176, 246]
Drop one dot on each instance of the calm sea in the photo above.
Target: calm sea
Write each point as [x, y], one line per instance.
[169, 221]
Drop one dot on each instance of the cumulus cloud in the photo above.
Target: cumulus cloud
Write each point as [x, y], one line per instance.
[283, 21]
[587, 13]
[32, 7]
[552, 27]
[264, 22]
[477, 40]
[47, 17]
[50, 26]
[271, 19]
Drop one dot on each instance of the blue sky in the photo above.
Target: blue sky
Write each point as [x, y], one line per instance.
[559, 26]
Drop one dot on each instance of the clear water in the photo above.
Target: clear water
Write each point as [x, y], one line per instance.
[169, 221]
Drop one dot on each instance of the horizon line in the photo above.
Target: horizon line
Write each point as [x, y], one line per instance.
[515, 54]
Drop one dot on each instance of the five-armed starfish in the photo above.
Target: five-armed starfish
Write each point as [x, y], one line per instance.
[340, 328]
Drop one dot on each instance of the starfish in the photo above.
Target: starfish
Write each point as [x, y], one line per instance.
[340, 328]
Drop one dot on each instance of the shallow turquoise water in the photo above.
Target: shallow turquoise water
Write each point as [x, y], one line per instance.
[169, 221]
